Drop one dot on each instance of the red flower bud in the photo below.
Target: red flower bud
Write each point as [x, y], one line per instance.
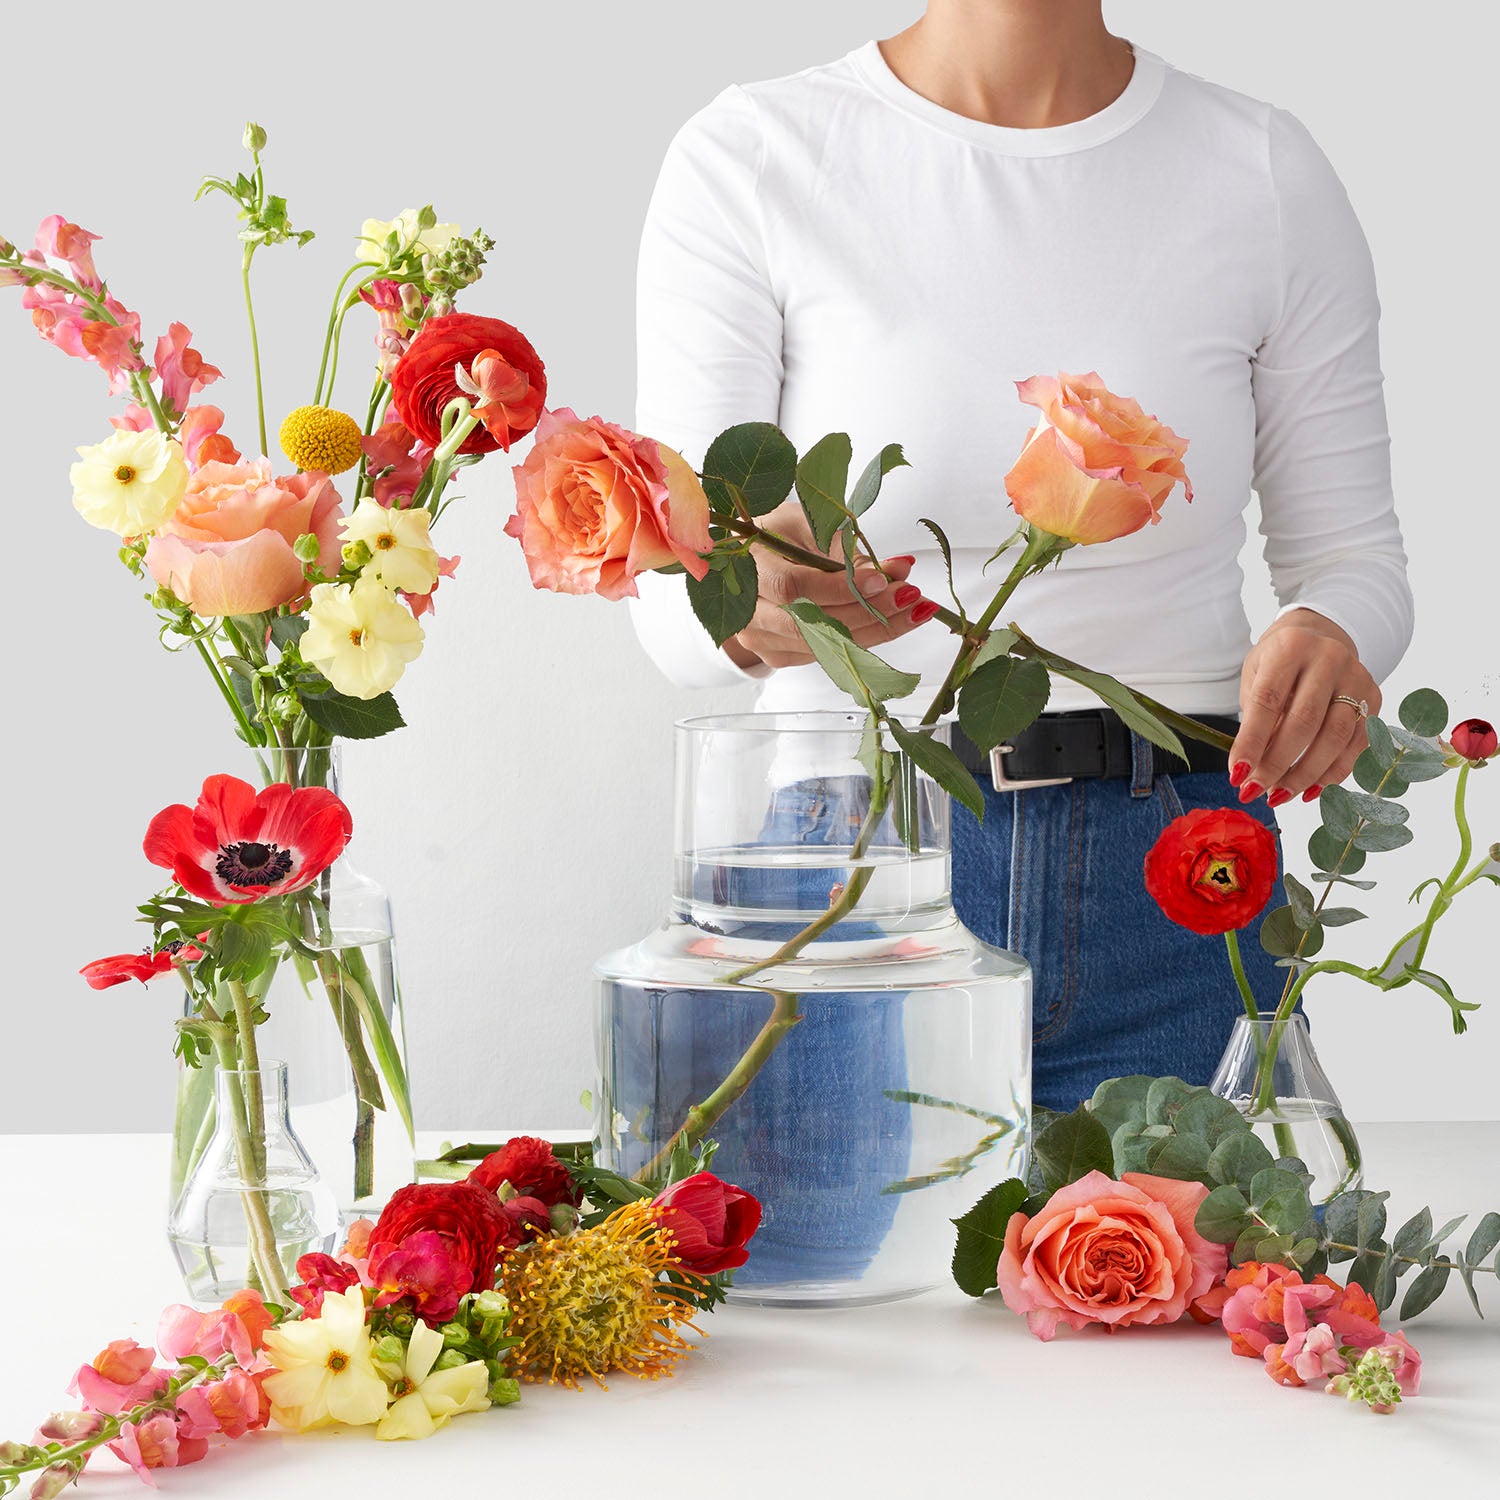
[1475, 740]
[711, 1221]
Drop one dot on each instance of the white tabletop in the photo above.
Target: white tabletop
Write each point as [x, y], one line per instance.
[874, 1402]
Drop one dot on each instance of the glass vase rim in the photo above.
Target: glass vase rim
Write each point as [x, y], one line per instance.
[796, 721]
[1268, 1018]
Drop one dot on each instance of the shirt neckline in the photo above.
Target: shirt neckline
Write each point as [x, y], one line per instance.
[1139, 94]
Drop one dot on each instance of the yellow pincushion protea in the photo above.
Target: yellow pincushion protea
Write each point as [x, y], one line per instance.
[587, 1303]
[318, 437]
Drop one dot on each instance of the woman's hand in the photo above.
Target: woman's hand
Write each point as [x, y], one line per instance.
[1293, 736]
[772, 636]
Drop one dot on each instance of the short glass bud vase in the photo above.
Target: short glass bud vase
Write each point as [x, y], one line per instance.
[1272, 1075]
[254, 1202]
[814, 1006]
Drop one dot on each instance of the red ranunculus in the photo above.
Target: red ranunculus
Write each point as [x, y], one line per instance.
[529, 1166]
[509, 386]
[469, 1219]
[1212, 869]
[710, 1220]
[532, 1218]
[238, 844]
[1474, 739]
[120, 967]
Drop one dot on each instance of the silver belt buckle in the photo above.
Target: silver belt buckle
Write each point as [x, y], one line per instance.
[1004, 783]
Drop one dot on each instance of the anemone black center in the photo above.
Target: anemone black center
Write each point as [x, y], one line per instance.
[253, 864]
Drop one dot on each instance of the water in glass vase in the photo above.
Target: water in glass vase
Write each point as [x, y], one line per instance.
[867, 1087]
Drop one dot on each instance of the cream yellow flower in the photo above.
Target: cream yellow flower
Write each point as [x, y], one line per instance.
[130, 483]
[324, 1372]
[427, 1398]
[360, 637]
[400, 541]
[373, 232]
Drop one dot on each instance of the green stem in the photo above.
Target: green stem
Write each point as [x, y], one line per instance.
[244, 1020]
[334, 313]
[228, 694]
[1237, 963]
[260, 395]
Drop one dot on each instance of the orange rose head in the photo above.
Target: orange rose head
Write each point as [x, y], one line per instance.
[1096, 466]
[597, 504]
[1212, 869]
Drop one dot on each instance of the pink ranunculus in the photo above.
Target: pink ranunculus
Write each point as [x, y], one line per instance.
[202, 442]
[183, 372]
[122, 1375]
[227, 549]
[232, 1406]
[597, 504]
[1116, 1253]
[394, 460]
[57, 238]
[421, 1267]
[157, 1443]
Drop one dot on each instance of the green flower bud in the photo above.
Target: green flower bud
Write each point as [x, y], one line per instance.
[455, 1335]
[489, 1306]
[564, 1218]
[356, 554]
[14, 1453]
[255, 137]
[426, 216]
[450, 1359]
[132, 560]
[505, 1192]
[284, 708]
[389, 1355]
[403, 1322]
[505, 1390]
[440, 306]
[164, 598]
[306, 548]
[6, 248]
[54, 1480]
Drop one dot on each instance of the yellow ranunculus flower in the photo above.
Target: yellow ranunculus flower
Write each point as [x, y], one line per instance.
[373, 232]
[360, 637]
[427, 1398]
[324, 1372]
[130, 483]
[401, 552]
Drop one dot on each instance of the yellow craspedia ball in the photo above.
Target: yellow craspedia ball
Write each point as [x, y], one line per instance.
[318, 437]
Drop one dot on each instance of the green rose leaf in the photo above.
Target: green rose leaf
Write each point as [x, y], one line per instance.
[1072, 1147]
[981, 1237]
[353, 718]
[1223, 1216]
[724, 599]
[755, 459]
[941, 764]
[1001, 698]
[867, 486]
[860, 673]
[946, 548]
[822, 476]
[1121, 699]
[1424, 712]
[287, 630]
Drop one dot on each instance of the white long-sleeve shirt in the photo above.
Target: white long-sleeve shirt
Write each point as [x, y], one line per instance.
[834, 252]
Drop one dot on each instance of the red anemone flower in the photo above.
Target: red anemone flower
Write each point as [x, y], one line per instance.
[120, 967]
[238, 844]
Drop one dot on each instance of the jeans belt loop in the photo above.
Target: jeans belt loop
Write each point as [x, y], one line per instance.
[1142, 765]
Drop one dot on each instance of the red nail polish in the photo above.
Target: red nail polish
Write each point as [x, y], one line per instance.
[908, 593]
[1250, 791]
[907, 558]
[1278, 797]
[1313, 792]
[1238, 772]
[923, 610]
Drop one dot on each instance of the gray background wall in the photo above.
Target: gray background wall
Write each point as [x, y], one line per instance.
[521, 822]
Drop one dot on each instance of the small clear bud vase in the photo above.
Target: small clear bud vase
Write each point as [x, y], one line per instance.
[1272, 1075]
[331, 1010]
[253, 1202]
[863, 1064]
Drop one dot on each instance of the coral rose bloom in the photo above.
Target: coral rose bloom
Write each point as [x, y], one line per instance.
[596, 504]
[1116, 1253]
[1212, 869]
[228, 547]
[1096, 467]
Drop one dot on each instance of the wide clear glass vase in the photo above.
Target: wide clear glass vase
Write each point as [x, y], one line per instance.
[333, 1015]
[1271, 1073]
[253, 1202]
[867, 1084]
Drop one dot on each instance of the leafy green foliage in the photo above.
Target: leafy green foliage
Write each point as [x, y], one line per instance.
[352, 718]
[941, 764]
[724, 598]
[822, 476]
[860, 673]
[946, 548]
[981, 1236]
[867, 486]
[1118, 697]
[750, 466]
[1424, 712]
[1071, 1147]
[1000, 698]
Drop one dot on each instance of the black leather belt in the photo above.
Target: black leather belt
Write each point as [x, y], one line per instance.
[1059, 748]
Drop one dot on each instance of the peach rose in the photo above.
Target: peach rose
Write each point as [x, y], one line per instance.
[1096, 467]
[228, 547]
[1109, 1252]
[597, 504]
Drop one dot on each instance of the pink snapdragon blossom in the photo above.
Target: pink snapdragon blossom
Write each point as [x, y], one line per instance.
[236, 1328]
[183, 372]
[122, 1375]
[157, 1443]
[421, 604]
[395, 461]
[399, 307]
[232, 1406]
[61, 240]
[1315, 1354]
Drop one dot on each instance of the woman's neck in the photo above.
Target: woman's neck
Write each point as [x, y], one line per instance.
[1026, 64]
